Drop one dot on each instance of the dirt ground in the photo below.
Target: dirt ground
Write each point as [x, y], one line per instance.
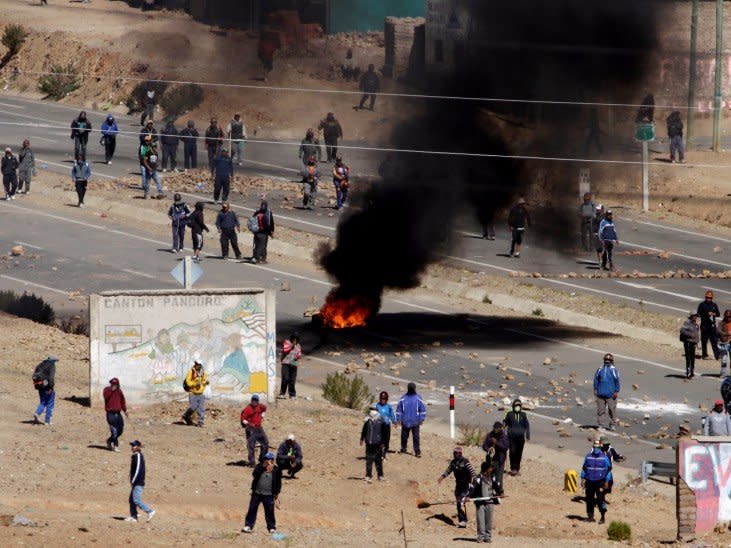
[64, 480]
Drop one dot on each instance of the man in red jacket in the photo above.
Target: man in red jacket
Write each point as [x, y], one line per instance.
[252, 418]
[114, 405]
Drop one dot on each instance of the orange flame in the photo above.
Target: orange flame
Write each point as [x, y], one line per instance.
[341, 313]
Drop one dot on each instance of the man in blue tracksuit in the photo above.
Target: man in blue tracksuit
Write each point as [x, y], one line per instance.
[606, 390]
[110, 129]
[410, 414]
[596, 474]
[137, 481]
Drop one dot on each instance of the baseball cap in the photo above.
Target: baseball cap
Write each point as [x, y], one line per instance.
[51, 359]
[457, 449]
[603, 440]
[290, 437]
[269, 456]
[136, 443]
[255, 397]
[196, 362]
[718, 402]
[115, 380]
[8, 149]
[609, 211]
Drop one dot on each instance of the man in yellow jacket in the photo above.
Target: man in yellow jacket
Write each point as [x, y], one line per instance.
[195, 384]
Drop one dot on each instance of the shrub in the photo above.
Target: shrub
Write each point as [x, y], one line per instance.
[62, 81]
[619, 531]
[486, 299]
[136, 99]
[182, 99]
[76, 325]
[350, 392]
[26, 306]
[13, 37]
[471, 435]
[537, 312]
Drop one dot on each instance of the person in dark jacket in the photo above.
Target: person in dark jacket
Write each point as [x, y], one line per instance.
[675, 133]
[310, 148]
[44, 380]
[150, 163]
[614, 456]
[236, 133]
[370, 85]
[331, 132]
[9, 168]
[606, 391]
[372, 435]
[149, 101]
[197, 226]
[484, 491]
[214, 142]
[26, 167]
[169, 141]
[496, 446]
[110, 129]
[223, 172]
[595, 224]
[341, 182]
[227, 223]
[137, 481]
[689, 335]
[266, 485]
[388, 416]
[80, 175]
[114, 405]
[464, 473]
[708, 312]
[310, 180]
[516, 422]
[80, 129]
[518, 220]
[178, 214]
[149, 129]
[289, 456]
[726, 394]
[646, 112]
[291, 354]
[252, 421]
[190, 145]
[266, 229]
[410, 414]
[608, 237]
[595, 476]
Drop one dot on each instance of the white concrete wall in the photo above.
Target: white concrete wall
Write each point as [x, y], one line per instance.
[149, 339]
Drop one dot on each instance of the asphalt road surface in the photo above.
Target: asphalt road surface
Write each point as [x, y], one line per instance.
[46, 124]
[71, 250]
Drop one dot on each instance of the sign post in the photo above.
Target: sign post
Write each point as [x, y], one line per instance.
[452, 432]
[645, 133]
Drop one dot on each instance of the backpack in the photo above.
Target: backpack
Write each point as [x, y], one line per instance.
[373, 432]
[186, 386]
[253, 224]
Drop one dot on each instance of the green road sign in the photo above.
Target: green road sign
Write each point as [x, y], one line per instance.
[645, 132]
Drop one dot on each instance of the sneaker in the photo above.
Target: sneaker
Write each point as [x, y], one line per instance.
[173, 250]
[49, 423]
[368, 479]
[131, 519]
[147, 196]
[272, 531]
[380, 478]
[151, 515]
[246, 529]
[418, 455]
[116, 448]
[36, 418]
[109, 163]
[517, 255]
[81, 204]
[186, 420]
[462, 525]
[282, 397]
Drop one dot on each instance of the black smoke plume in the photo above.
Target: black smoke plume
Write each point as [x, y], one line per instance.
[561, 50]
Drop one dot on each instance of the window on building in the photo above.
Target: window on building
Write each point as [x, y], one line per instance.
[438, 51]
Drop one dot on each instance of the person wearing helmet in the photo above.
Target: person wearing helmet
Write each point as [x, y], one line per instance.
[689, 335]
[464, 473]
[708, 312]
[586, 216]
[724, 340]
[606, 391]
[596, 473]
[310, 148]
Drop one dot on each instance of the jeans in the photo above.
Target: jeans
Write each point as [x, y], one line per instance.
[689, 351]
[190, 156]
[143, 178]
[602, 406]
[338, 194]
[595, 497]
[289, 379]
[24, 178]
[309, 192]
[676, 145]
[607, 254]
[169, 153]
[484, 521]
[459, 495]
[196, 404]
[135, 501]
[373, 454]
[708, 333]
[516, 452]
[81, 190]
[261, 241]
[178, 235]
[405, 430]
[253, 435]
[10, 182]
[147, 175]
[229, 235]
[116, 427]
[47, 402]
[268, 502]
[110, 144]
[221, 187]
[724, 349]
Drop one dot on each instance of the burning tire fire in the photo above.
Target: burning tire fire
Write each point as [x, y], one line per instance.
[341, 312]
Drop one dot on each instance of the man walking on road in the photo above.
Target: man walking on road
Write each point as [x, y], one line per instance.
[410, 414]
[190, 145]
[110, 129]
[237, 135]
[44, 380]
[26, 167]
[137, 481]
[708, 312]
[265, 221]
[195, 384]
[586, 215]
[595, 476]
[689, 336]
[608, 237]
[80, 129]
[178, 214]
[114, 405]
[518, 220]
[214, 142]
[484, 491]
[370, 85]
[606, 391]
[223, 173]
[310, 148]
[80, 175]
[150, 163]
[464, 473]
[9, 168]
[516, 422]
[252, 421]
[331, 132]
[227, 223]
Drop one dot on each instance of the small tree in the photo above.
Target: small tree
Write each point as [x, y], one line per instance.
[345, 391]
[13, 37]
[619, 531]
[61, 81]
[182, 99]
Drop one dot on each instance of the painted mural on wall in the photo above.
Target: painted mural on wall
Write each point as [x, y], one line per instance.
[706, 469]
[151, 341]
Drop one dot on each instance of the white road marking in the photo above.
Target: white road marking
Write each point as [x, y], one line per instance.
[651, 288]
[44, 138]
[271, 165]
[26, 244]
[137, 273]
[11, 106]
[683, 230]
[691, 257]
[716, 289]
[33, 284]
[69, 166]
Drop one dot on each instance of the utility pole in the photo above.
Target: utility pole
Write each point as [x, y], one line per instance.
[692, 74]
[718, 96]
